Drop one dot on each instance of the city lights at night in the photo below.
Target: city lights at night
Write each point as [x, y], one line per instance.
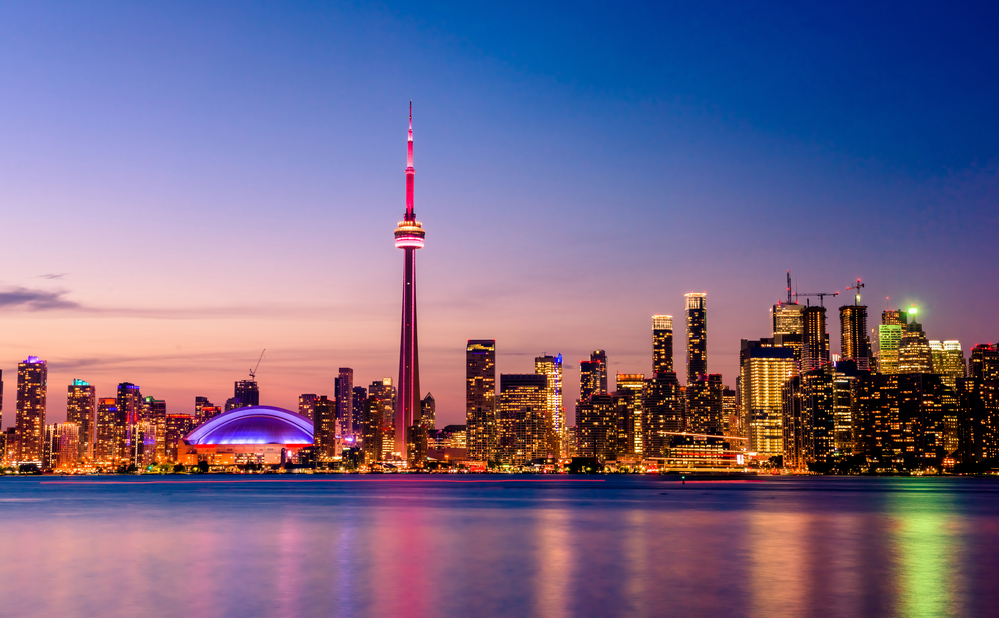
[218, 400]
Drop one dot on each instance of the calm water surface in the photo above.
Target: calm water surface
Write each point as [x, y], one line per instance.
[498, 546]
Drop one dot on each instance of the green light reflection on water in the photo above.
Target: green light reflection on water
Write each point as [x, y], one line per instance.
[926, 545]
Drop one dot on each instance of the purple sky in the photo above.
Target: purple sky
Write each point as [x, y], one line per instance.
[183, 185]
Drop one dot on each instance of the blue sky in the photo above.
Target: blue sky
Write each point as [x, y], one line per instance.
[211, 179]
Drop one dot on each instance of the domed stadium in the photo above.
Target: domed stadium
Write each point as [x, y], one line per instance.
[255, 434]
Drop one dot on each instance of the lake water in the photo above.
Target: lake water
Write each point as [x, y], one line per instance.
[497, 546]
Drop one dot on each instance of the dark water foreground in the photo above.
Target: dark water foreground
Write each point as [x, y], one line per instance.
[497, 546]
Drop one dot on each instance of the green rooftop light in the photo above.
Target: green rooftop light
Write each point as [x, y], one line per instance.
[913, 311]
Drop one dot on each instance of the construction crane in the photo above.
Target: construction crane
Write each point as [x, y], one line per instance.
[253, 372]
[821, 296]
[856, 287]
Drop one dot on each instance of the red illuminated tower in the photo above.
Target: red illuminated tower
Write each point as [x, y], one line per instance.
[408, 237]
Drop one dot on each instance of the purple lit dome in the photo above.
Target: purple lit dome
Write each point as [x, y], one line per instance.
[254, 425]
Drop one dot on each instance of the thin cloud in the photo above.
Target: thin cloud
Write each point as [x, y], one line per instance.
[53, 276]
[34, 300]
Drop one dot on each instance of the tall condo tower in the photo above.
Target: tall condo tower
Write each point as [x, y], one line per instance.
[662, 344]
[697, 335]
[409, 237]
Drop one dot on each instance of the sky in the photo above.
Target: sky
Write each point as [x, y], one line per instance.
[186, 184]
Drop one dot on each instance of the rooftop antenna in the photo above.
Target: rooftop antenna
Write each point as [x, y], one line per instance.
[789, 287]
[253, 372]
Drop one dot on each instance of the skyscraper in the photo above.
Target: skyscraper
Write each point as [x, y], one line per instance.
[948, 361]
[704, 405]
[344, 384]
[764, 368]
[409, 237]
[130, 435]
[854, 344]
[697, 335]
[81, 409]
[630, 389]
[246, 393]
[177, 426]
[32, 388]
[156, 413]
[984, 363]
[555, 426]
[597, 427]
[914, 354]
[662, 344]
[521, 418]
[815, 340]
[428, 412]
[789, 326]
[600, 370]
[324, 429]
[480, 398]
[107, 444]
[889, 337]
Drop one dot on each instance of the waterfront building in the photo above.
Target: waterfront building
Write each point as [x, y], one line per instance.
[763, 369]
[307, 404]
[9, 452]
[731, 418]
[324, 431]
[854, 344]
[815, 339]
[62, 446]
[177, 426]
[597, 428]
[704, 405]
[384, 391]
[129, 402]
[343, 384]
[428, 412]
[360, 396]
[409, 236]
[374, 419]
[899, 421]
[984, 363]
[662, 344]
[697, 335]
[555, 426]
[480, 398]
[978, 420]
[662, 414]
[81, 409]
[808, 430]
[843, 438]
[204, 410]
[108, 440]
[155, 412]
[32, 388]
[262, 435]
[789, 326]
[914, 355]
[629, 397]
[521, 426]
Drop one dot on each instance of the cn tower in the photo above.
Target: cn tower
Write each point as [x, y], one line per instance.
[408, 237]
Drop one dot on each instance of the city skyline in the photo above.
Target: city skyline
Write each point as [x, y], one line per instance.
[177, 221]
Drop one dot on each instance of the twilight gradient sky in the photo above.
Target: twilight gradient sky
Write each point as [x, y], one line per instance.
[185, 184]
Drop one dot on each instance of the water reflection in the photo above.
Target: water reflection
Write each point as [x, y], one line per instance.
[554, 562]
[777, 567]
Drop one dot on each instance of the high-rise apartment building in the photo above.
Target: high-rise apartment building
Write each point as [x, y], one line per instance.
[358, 405]
[597, 428]
[374, 424]
[108, 441]
[662, 344]
[662, 414]
[697, 335]
[81, 409]
[32, 388]
[914, 355]
[556, 434]
[814, 339]
[61, 449]
[630, 412]
[704, 405]
[893, 324]
[978, 420]
[521, 418]
[854, 343]
[789, 326]
[599, 357]
[204, 411]
[344, 386]
[763, 370]
[384, 391]
[156, 413]
[808, 423]
[307, 404]
[177, 426]
[324, 429]
[130, 435]
[480, 399]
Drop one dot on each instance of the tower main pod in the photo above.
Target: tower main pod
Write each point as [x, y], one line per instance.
[409, 236]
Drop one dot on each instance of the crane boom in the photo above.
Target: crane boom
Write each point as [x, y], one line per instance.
[858, 288]
[253, 372]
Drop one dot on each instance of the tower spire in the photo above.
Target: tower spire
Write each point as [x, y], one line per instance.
[410, 172]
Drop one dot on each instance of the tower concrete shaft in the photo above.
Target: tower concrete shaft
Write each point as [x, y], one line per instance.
[409, 235]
